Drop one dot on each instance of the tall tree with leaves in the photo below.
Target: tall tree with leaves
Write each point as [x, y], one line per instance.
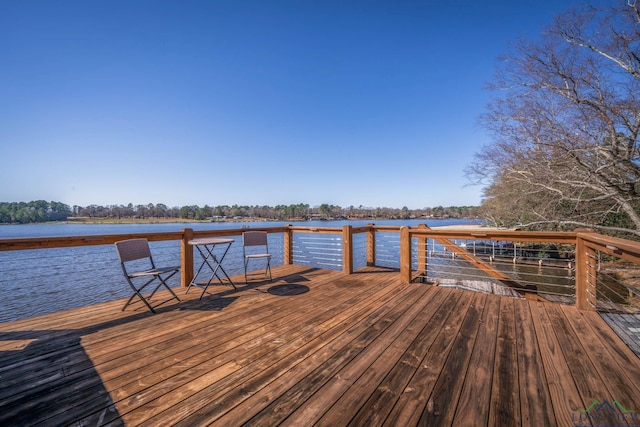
[565, 122]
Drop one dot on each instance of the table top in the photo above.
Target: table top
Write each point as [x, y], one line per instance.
[210, 241]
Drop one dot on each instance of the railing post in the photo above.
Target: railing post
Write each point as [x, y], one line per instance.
[186, 258]
[405, 255]
[288, 245]
[347, 249]
[422, 253]
[585, 276]
[371, 246]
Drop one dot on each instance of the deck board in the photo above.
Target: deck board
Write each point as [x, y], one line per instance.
[627, 326]
[315, 347]
[415, 396]
[505, 393]
[535, 401]
[447, 388]
[562, 389]
[384, 398]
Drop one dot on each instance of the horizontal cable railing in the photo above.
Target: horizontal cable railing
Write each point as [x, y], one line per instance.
[359, 241]
[546, 265]
[613, 295]
[387, 248]
[539, 269]
[318, 250]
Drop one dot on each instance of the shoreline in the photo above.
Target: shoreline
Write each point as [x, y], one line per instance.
[237, 220]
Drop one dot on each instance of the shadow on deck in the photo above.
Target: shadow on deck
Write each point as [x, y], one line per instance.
[318, 347]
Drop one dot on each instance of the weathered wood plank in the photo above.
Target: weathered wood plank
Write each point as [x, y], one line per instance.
[620, 386]
[129, 343]
[473, 406]
[136, 369]
[621, 353]
[340, 355]
[535, 402]
[585, 375]
[254, 347]
[562, 388]
[443, 401]
[263, 355]
[324, 398]
[378, 406]
[297, 362]
[505, 392]
[341, 413]
[414, 400]
[627, 327]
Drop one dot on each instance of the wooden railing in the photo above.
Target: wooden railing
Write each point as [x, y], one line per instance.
[184, 236]
[587, 246]
[412, 240]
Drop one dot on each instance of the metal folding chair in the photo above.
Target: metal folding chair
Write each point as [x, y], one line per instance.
[134, 254]
[255, 246]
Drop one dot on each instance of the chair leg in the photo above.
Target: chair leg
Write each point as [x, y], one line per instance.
[138, 291]
[139, 295]
[163, 281]
[267, 270]
[173, 293]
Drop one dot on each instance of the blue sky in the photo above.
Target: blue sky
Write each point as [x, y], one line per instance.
[371, 103]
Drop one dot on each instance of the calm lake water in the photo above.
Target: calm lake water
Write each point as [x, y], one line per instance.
[43, 230]
[35, 282]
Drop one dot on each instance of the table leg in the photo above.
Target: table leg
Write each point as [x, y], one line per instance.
[206, 258]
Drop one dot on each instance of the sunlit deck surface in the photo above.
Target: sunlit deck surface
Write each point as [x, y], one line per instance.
[315, 347]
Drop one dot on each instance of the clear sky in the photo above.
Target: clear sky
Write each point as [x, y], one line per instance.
[267, 102]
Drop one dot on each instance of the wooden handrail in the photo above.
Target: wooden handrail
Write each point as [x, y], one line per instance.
[621, 248]
[319, 230]
[498, 235]
[71, 241]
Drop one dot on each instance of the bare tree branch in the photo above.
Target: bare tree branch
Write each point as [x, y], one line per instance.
[565, 123]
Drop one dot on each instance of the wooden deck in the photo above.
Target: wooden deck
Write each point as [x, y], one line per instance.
[318, 347]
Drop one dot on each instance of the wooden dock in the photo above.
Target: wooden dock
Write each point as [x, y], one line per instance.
[318, 347]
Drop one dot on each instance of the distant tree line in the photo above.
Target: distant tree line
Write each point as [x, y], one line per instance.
[42, 211]
[37, 211]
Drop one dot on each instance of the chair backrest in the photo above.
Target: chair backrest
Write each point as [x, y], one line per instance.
[254, 238]
[133, 249]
